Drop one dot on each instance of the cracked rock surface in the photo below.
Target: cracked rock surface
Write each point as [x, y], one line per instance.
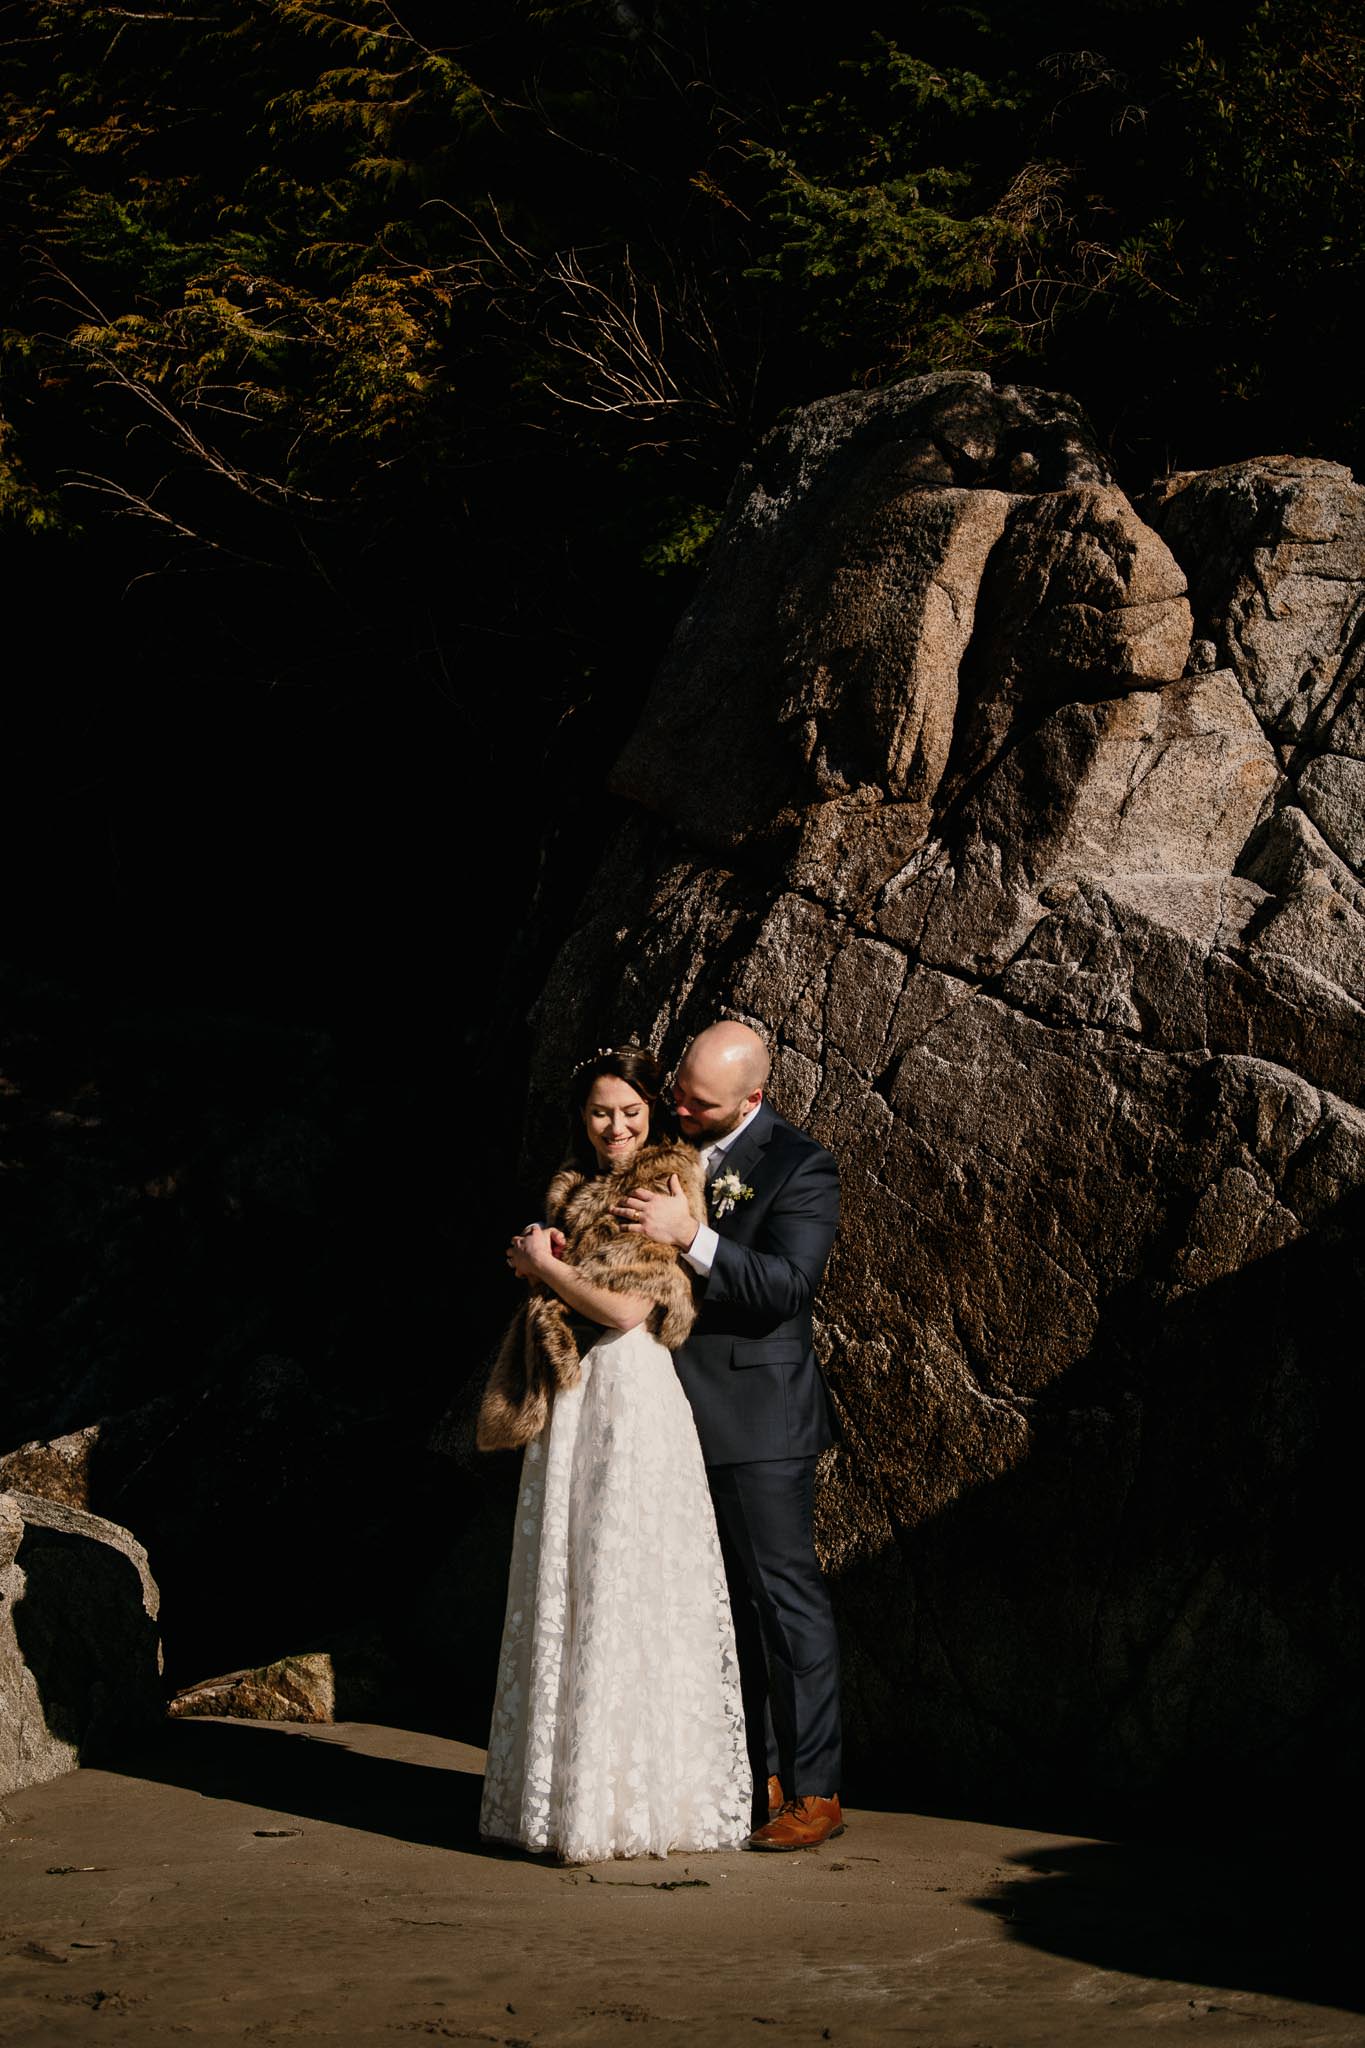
[1029, 826]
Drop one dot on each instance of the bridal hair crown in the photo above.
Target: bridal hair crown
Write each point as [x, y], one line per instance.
[611, 1052]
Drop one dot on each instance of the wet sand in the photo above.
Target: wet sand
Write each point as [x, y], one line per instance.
[244, 1882]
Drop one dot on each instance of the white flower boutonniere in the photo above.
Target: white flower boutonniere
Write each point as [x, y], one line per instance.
[727, 1189]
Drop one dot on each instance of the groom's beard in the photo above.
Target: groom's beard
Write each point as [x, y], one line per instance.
[699, 1140]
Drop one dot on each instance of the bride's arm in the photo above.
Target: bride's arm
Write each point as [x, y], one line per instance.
[532, 1257]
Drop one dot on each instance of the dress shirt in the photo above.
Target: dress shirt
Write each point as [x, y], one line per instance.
[701, 1253]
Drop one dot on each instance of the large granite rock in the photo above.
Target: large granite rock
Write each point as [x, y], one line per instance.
[80, 1661]
[1029, 828]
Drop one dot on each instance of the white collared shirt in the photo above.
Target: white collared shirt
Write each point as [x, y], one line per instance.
[700, 1254]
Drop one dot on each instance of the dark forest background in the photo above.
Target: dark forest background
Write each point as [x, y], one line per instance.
[374, 377]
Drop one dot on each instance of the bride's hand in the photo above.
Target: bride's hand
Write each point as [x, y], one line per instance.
[533, 1253]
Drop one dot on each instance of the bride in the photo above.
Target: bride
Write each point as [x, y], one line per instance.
[617, 1726]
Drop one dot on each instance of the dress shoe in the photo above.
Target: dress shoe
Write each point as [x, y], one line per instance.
[800, 1824]
[774, 1796]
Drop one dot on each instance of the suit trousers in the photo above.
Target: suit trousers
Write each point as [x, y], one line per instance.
[784, 1624]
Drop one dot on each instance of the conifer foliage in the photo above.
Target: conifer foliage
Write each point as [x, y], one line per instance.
[406, 352]
[281, 270]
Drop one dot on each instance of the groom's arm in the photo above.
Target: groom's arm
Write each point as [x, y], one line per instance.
[779, 1278]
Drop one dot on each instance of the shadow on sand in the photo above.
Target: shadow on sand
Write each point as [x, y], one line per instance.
[1269, 1917]
[318, 1777]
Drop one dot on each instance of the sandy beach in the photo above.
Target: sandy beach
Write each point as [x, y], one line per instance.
[246, 1882]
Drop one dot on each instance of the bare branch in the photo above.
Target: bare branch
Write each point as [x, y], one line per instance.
[89, 341]
[631, 345]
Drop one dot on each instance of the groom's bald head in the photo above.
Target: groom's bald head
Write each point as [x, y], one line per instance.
[732, 1050]
[722, 1077]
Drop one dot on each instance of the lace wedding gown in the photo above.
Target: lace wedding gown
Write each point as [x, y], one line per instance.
[617, 1727]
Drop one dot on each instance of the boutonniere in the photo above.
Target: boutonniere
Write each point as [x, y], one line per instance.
[727, 1189]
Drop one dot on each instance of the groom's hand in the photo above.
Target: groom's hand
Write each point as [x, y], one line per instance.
[665, 1218]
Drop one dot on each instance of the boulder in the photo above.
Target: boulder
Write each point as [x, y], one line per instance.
[1025, 825]
[298, 1688]
[59, 1470]
[80, 1659]
[355, 1678]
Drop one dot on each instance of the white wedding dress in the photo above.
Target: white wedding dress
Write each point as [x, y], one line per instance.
[617, 1727]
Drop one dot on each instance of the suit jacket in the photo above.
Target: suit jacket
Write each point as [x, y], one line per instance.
[749, 1367]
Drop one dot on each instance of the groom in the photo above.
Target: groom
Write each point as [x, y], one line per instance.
[761, 1409]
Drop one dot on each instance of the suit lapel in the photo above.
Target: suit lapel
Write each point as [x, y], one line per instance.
[744, 1153]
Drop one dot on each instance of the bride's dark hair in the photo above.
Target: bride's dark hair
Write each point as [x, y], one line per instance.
[639, 1070]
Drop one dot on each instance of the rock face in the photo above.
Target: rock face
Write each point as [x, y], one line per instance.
[1028, 825]
[80, 1661]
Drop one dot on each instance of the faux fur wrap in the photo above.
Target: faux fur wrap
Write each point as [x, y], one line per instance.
[539, 1352]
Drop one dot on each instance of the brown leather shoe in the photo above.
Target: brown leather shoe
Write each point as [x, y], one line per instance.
[774, 1796]
[800, 1824]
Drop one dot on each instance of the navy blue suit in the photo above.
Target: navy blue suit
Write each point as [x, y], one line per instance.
[763, 1416]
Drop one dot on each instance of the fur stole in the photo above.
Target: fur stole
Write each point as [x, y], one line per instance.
[539, 1351]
